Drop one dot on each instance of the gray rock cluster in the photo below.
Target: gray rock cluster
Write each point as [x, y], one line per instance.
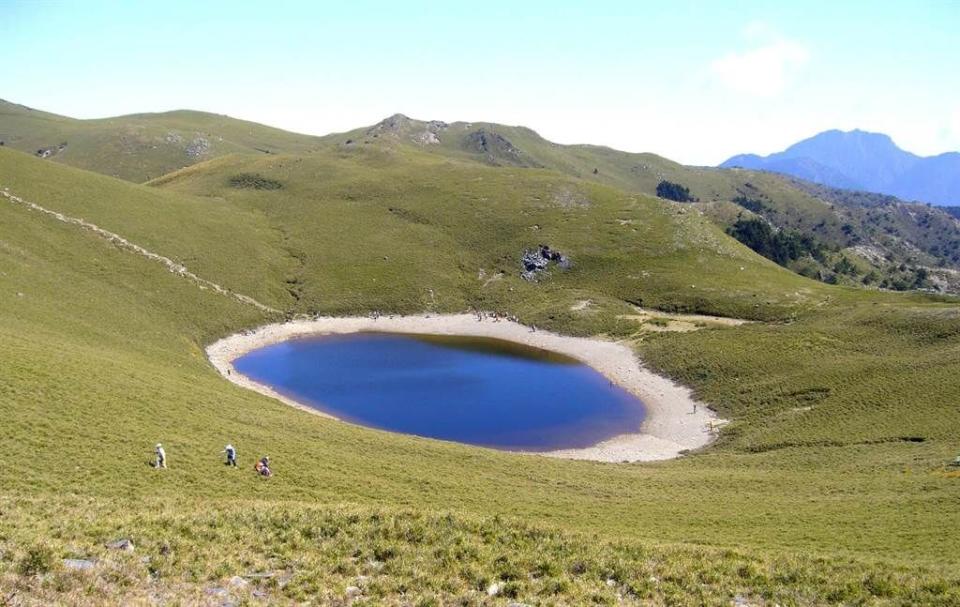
[431, 136]
[198, 147]
[427, 138]
[536, 261]
[392, 124]
[488, 142]
[51, 151]
[79, 564]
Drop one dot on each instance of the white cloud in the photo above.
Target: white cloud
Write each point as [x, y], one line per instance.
[766, 69]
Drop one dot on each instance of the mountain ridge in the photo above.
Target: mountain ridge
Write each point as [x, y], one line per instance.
[157, 148]
[863, 160]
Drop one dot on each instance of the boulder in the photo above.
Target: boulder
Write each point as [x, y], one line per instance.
[124, 544]
[79, 564]
[217, 591]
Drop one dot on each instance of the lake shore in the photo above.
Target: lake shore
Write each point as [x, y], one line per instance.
[675, 422]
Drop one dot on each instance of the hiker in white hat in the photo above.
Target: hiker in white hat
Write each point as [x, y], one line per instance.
[231, 455]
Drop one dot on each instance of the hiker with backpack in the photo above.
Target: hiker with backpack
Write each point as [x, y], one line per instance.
[263, 467]
[231, 455]
[161, 457]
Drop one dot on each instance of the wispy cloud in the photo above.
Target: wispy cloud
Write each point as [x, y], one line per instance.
[766, 69]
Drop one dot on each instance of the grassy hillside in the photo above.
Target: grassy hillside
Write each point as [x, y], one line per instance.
[886, 243]
[868, 240]
[829, 485]
[401, 230]
[139, 147]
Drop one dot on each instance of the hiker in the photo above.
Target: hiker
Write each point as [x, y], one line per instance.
[231, 455]
[161, 457]
[263, 466]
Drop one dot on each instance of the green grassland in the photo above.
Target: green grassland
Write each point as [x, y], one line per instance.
[869, 240]
[894, 232]
[383, 229]
[828, 486]
[139, 147]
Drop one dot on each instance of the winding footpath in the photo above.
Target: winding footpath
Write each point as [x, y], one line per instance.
[114, 238]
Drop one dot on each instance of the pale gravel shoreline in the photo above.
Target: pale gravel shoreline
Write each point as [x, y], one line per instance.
[670, 427]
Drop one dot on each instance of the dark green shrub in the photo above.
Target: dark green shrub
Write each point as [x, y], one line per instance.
[39, 559]
[751, 204]
[254, 181]
[674, 191]
[780, 246]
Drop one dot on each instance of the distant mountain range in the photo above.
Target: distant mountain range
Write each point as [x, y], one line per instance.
[858, 160]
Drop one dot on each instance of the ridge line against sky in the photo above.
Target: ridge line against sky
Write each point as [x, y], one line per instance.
[695, 82]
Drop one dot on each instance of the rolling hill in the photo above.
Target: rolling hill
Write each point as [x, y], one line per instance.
[899, 246]
[859, 160]
[828, 486]
[139, 147]
[871, 240]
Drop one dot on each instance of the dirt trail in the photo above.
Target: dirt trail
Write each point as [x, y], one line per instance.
[172, 266]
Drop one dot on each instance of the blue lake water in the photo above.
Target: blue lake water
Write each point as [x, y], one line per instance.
[471, 390]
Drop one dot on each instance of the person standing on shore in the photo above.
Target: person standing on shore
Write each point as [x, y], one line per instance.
[161, 457]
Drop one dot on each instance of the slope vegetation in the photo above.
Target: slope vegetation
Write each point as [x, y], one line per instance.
[861, 239]
[892, 245]
[140, 146]
[402, 230]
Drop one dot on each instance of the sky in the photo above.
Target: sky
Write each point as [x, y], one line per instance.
[696, 82]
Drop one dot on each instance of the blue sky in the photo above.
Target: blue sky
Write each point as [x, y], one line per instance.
[693, 81]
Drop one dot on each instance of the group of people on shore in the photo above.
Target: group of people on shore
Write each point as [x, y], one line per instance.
[495, 316]
[262, 467]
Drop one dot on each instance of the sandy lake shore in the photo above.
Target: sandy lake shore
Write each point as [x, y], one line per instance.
[673, 423]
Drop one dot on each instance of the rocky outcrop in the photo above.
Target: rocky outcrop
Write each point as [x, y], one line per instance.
[399, 126]
[491, 144]
[427, 138]
[52, 150]
[200, 146]
[536, 262]
[392, 125]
